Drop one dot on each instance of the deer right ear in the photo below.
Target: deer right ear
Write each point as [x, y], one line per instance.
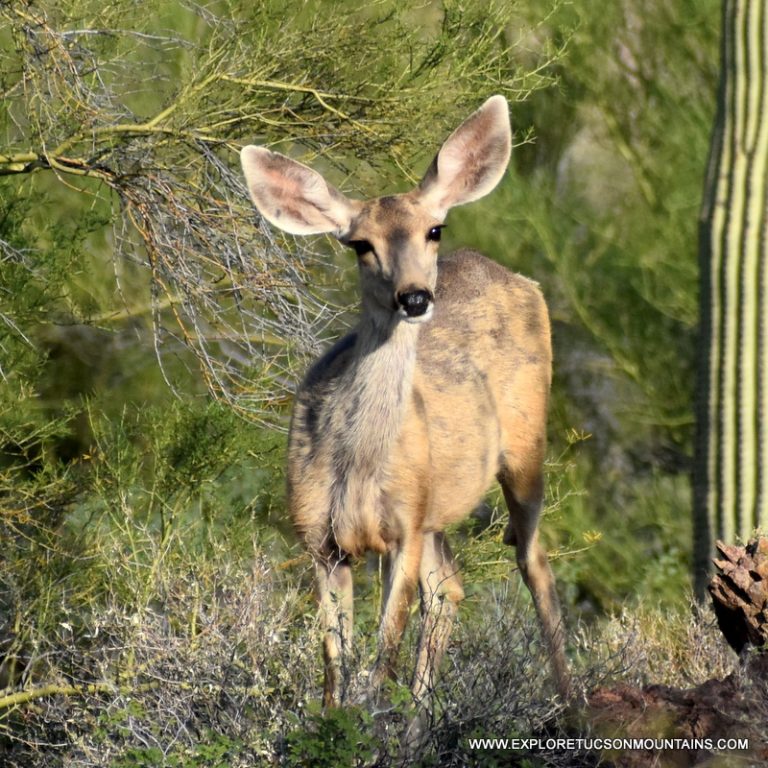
[293, 197]
[472, 160]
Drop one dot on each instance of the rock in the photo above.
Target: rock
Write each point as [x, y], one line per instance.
[733, 708]
[740, 593]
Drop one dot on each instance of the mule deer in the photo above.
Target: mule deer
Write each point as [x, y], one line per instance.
[399, 429]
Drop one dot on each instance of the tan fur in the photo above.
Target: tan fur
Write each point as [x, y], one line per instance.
[401, 427]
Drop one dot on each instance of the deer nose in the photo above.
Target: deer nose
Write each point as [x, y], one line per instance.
[414, 303]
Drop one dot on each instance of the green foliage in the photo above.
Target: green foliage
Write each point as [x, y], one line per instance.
[214, 750]
[340, 737]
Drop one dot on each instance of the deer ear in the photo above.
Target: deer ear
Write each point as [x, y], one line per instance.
[293, 197]
[472, 160]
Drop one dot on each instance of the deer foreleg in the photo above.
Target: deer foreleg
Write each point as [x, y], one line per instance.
[334, 587]
[402, 580]
[441, 592]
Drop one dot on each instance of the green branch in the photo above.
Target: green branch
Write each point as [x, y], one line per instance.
[24, 697]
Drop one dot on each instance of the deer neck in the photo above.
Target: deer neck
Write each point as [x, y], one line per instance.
[369, 404]
[377, 388]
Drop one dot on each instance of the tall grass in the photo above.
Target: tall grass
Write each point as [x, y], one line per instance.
[165, 619]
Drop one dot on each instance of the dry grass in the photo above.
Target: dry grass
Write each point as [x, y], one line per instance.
[220, 665]
[681, 649]
[217, 660]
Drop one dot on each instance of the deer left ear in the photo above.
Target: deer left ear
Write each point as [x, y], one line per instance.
[293, 197]
[472, 160]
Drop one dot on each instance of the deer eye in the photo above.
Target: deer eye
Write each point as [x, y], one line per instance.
[360, 247]
[434, 234]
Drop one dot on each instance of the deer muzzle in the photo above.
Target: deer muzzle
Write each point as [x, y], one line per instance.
[415, 305]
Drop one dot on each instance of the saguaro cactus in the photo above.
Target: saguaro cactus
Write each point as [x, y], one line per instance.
[731, 467]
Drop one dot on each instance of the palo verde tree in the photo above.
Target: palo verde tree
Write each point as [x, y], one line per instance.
[731, 468]
[139, 116]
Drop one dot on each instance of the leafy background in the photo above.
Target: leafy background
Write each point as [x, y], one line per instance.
[154, 607]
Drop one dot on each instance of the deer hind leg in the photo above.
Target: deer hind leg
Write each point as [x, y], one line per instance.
[523, 493]
[335, 596]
